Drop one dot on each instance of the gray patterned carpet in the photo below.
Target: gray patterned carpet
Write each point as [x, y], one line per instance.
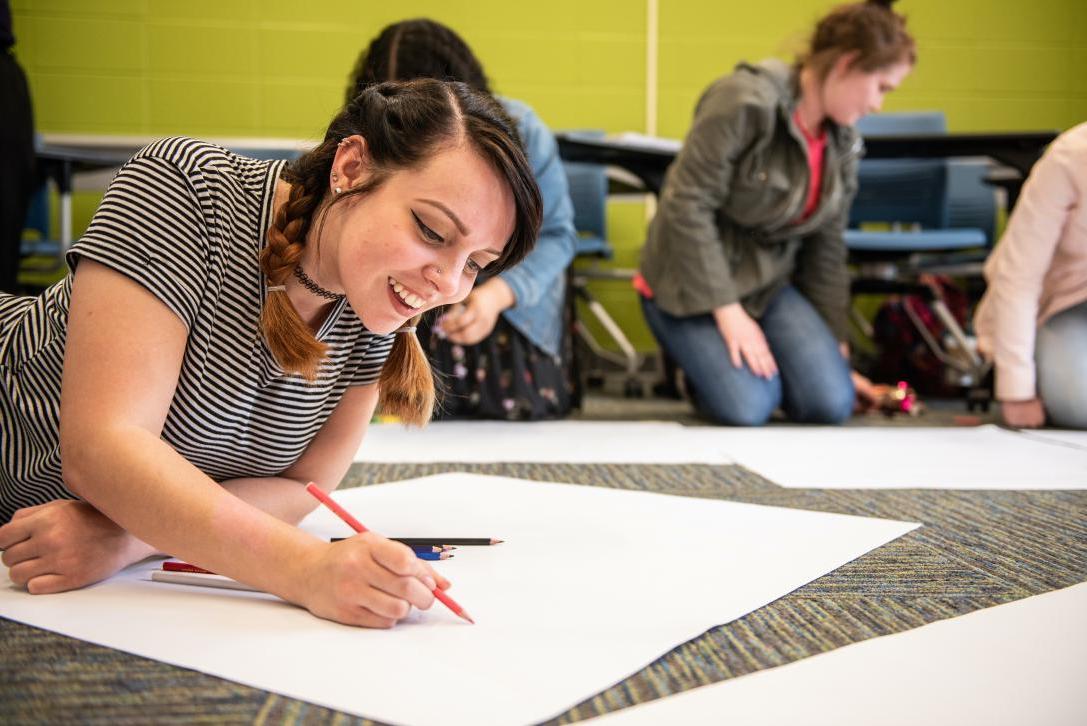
[977, 549]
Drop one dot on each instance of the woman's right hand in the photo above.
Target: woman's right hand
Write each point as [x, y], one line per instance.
[369, 581]
[745, 340]
[1023, 414]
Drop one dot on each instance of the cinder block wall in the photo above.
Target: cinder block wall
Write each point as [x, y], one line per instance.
[278, 67]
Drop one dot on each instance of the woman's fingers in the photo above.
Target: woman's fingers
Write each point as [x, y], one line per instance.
[360, 616]
[50, 583]
[20, 552]
[407, 589]
[760, 361]
[461, 328]
[396, 557]
[440, 581]
[734, 353]
[460, 317]
[402, 574]
[14, 532]
[27, 570]
[772, 365]
[387, 605]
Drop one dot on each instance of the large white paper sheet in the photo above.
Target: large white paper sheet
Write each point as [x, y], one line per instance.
[591, 585]
[577, 442]
[1019, 663]
[985, 457]
[1061, 437]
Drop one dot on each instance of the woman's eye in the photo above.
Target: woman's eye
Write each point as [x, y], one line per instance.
[427, 231]
[473, 267]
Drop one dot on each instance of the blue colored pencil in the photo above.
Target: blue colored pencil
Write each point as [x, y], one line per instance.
[434, 555]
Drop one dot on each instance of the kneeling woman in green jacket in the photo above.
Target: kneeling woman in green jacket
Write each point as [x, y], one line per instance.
[743, 278]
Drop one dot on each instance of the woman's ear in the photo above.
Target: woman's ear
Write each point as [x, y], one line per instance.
[351, 166]
[844, 64]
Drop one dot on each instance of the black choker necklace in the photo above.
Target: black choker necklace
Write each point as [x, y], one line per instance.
[312, 286]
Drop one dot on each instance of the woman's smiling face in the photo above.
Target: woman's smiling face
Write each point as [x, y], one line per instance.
[419, 240]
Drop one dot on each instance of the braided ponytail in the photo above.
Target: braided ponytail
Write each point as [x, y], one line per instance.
[289, 339]
[407, 381]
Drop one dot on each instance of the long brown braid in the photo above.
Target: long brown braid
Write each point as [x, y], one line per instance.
[403, 124]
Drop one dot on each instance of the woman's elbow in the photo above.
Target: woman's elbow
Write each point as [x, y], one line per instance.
[77, 456]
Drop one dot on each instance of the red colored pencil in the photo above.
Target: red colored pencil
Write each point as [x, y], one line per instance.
[178, 566]
[358, 527]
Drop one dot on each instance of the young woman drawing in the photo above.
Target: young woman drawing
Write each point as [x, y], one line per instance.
[224, 336]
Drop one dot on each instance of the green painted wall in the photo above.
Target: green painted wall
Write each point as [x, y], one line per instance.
[278, 67]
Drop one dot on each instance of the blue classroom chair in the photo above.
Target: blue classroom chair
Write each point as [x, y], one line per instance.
[941, 218]
[588, 185]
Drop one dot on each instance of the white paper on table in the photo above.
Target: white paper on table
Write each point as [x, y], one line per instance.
[591, 585]
[643, 141]
[835, 457]
[578, 442]
[1018, 663]
[1062, 437]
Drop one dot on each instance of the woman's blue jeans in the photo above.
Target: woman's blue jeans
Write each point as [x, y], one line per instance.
[813, 384]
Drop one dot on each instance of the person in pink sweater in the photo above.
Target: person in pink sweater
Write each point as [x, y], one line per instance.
[1032, 321]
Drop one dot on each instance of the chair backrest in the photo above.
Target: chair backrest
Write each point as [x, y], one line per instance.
[37, 216]
[588, 186]
[268, 154]
[971, 201]
[911, 191]
[902, 123]
[967, 200]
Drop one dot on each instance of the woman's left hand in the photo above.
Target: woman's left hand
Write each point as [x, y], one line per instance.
[868, 394]
[64, 545]
[475, 318]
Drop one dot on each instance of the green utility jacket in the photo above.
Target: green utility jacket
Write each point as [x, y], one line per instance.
[724, 231]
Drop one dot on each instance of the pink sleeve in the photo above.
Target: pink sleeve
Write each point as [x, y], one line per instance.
[1007, 318]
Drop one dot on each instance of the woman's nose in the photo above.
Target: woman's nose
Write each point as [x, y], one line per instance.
[444, 277]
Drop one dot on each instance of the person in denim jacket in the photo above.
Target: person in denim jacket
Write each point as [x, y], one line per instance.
[743, 278]
[505, 352]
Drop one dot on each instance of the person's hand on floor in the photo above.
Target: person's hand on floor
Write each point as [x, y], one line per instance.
[474, 319]
[745, 340]
[868, 394]
[1023, 414]
[64, 545]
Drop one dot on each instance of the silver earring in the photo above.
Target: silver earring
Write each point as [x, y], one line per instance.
[337, 190]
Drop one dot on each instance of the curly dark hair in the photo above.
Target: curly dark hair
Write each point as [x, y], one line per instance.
[419, 48]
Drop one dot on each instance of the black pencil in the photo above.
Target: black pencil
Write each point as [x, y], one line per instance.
[437, 544]
[460, 541]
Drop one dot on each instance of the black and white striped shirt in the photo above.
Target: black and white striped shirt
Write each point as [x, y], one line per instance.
[186, 220]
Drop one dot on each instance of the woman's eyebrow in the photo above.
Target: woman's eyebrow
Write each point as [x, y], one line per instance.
[449, 213]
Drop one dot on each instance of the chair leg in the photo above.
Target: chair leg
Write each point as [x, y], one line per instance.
[963, 359]
[628, 358]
